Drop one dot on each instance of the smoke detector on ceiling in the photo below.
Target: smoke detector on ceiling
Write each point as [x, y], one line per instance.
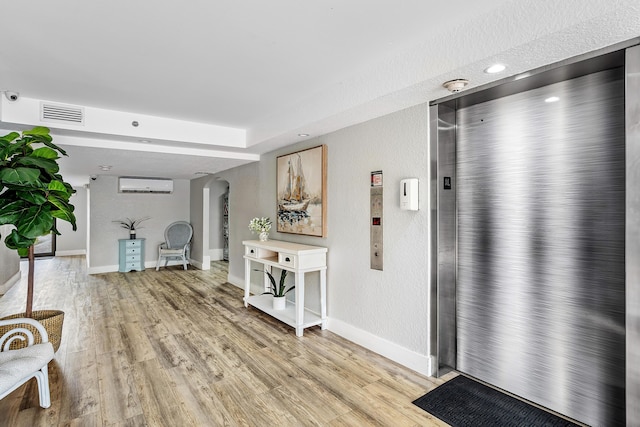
[455, 85]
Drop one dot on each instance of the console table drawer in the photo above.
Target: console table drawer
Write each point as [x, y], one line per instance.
[287, 260]
[132, 251]
[259, 253]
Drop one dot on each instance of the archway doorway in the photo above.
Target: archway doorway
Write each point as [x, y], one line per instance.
[218, 220]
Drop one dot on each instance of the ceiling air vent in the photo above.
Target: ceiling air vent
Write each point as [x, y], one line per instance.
[61, 113]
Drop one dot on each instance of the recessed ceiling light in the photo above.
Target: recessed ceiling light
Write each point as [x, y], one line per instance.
[552, 99]
[303, 134]
[146, 141]
[105, 167]
[495, 68]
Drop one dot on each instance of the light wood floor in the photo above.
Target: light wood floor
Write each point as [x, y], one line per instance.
[176, 348]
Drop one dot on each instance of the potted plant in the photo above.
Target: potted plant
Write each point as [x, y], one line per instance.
[32, 196]
[261, 226]
[132, 225]
[279, 292]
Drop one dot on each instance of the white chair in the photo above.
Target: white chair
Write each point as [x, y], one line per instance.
[19, 366]
[177, 238]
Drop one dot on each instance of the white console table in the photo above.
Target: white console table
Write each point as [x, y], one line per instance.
[299, 259]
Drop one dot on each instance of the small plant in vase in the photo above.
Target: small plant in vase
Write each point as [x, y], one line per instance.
[279, 291]
[131, 224]
[261, 226]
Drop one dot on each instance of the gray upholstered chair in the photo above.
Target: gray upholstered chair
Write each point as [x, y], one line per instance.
[177, 238]
[19, 366]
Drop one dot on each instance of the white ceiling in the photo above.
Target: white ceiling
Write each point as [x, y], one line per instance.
[274, 69]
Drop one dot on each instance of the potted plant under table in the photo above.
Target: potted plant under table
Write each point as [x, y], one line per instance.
[32, 196]
[280, 291]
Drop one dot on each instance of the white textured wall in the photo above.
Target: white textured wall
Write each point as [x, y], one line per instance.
[211, 243]
[245, 191]
[107, 205]
[74, 242]
[386, 311]
[391, 304]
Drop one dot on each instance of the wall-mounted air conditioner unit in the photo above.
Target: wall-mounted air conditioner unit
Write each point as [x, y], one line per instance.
[127, 184]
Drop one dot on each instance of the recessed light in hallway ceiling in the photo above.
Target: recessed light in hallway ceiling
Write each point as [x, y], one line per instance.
[495, 68]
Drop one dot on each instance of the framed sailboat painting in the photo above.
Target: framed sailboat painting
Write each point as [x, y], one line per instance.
[302, 192]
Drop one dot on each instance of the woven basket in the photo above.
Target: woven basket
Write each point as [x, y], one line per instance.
[50, 319]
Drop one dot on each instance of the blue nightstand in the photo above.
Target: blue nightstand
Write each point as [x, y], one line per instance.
[131, 255]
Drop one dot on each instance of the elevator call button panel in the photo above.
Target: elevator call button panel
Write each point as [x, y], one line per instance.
[376, 228]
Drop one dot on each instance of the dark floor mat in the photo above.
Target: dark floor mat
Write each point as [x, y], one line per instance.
[463, 402]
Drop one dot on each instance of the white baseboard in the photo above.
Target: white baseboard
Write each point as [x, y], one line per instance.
[152, 264]
[236, 281]
[103, 269]
[215, 254]
[9, 283]
[206, 262]
[114, 268]
[418, 362]
[72, 252]
[197, 264]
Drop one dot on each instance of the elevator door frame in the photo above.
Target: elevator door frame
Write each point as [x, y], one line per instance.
[443, 201]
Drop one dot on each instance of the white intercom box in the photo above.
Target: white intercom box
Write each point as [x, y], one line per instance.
[409, 194]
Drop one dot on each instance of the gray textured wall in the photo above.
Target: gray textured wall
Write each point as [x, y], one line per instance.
[390, 306]
[74, 241]
[216, 191]
[107, 205]
[9, 261]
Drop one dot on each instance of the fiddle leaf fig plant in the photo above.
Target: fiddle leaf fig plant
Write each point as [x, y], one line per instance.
[32, 192]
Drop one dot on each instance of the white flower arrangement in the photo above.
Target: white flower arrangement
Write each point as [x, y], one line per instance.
[260, 225]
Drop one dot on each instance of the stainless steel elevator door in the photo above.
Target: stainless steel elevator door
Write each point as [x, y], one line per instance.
[540, 267]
